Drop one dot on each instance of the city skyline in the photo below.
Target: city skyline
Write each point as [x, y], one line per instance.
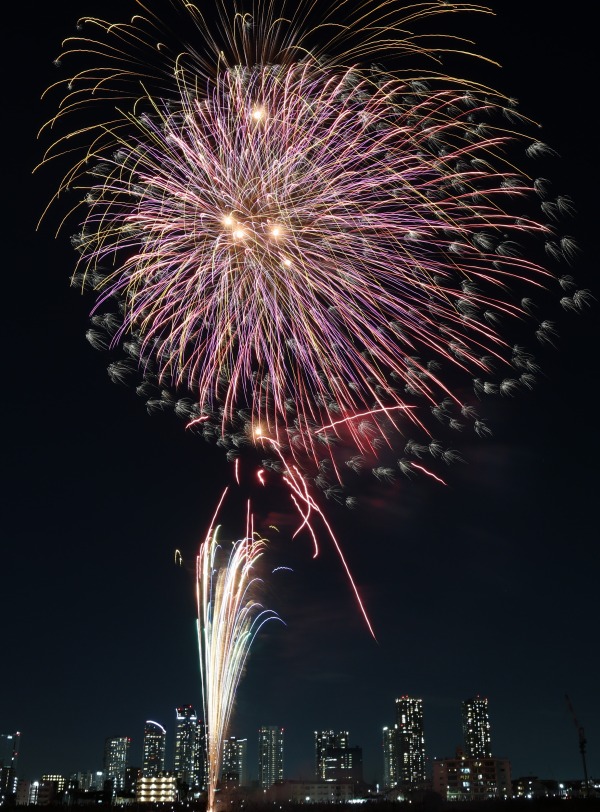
[405, 760]
[100, 495]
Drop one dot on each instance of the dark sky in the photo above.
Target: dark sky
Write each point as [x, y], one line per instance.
[488, 586]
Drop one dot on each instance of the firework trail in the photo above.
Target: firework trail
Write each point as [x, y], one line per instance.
[229, 618]
[284, 235]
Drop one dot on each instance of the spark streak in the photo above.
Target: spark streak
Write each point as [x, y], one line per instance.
[429, 473]
[306, 505]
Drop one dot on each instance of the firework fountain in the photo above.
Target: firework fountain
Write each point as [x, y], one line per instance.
[229, 617]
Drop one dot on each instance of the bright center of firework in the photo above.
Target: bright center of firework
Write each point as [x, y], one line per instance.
[255, 228]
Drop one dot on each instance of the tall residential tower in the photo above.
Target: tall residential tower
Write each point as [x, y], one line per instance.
[188, 761]
[325, 742]
[476, 728]
[335, 760]
[154, 749]
[116, 761]
[270, 755]
[9, 752]
[410, 742]
[390, 757]
[234, 771]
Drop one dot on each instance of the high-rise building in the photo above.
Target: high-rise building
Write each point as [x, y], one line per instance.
[234, 772]
[188, 760]
[390, 757]
[9, 752]
[335, 760]
[476, 728]
[270, 755]
[155, 737]
[325, 741]
[116, 761]
[9, 749]
[410, 742]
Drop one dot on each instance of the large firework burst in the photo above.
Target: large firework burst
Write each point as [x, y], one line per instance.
[301, 243]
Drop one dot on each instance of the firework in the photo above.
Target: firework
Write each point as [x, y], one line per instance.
[229, 618]
[294, 240]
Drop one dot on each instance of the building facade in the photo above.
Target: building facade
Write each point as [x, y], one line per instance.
[335, 760]
[325, 741]
[270, 755]
[312, 792]
[156, 789]
[234, 772]
[9, 753]
[188, 760]
[467, 778]
[410, 743]
[90, 781]
[25, 796]
[390, 757]
[155, 739]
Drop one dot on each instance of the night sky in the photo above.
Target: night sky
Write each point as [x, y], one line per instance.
[487, 586]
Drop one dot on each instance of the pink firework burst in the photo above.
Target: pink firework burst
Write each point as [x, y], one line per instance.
[298, 234]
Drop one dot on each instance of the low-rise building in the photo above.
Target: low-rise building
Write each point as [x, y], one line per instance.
[156, 789]
[468, 778]
[311, 792]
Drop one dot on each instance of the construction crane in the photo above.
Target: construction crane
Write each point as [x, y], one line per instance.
[582, 745]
